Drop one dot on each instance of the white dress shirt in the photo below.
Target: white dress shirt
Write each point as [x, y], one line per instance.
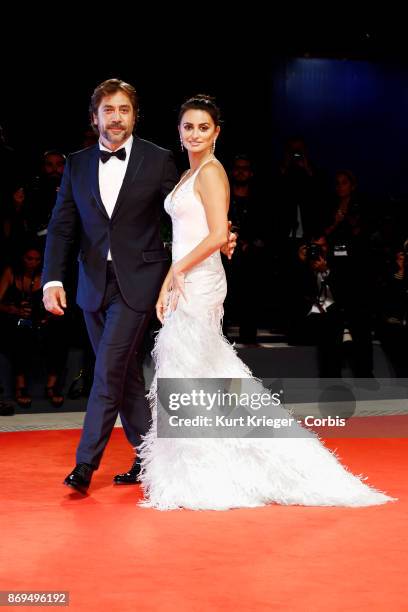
[328, 296]
[111, 175]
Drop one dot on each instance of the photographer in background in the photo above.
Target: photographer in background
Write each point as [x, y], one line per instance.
[301, 192]
[315, 318]
[323, 304]
[27, 330]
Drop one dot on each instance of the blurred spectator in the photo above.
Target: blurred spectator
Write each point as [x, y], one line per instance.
[16, 224]
[393, 312]
[315, 318]
[323, 306]
[385, 240]
[90, 138]
[347, 229]
[301, 194]
[44, 191]
[299, 208]
[27, 329]
[245, 269]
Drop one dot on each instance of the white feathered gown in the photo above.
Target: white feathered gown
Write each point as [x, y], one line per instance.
[218, 474]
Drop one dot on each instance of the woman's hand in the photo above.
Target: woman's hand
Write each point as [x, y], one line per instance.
[228, 248]
[161, 305]
[170, 292]
[163, 299]
[177, 287]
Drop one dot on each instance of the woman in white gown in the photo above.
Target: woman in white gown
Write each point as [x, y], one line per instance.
[220, 473]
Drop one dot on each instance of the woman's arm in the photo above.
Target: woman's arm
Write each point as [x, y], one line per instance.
[213, 189]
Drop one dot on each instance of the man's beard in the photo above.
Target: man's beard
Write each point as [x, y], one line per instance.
[108, 135]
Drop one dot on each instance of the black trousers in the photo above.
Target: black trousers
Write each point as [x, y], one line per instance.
[326, 332]
[116, 333]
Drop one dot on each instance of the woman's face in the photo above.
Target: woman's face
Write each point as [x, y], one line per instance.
[344, 187]
[198, 131]
[31, 260]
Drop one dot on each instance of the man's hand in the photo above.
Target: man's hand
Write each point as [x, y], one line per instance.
[320, 265]
[228, 248]
[302, 253]
[54, 300]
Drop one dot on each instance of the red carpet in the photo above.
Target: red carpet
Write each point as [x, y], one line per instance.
[113, 556]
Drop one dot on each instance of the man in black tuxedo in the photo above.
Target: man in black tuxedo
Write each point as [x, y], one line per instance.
[111, 197]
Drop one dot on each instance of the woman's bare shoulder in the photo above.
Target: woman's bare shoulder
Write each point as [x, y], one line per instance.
[212, 170]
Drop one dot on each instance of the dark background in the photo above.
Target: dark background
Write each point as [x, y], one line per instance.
[343, 85]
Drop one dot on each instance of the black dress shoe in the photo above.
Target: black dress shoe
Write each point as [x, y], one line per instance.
[80, 477]
[131, 477]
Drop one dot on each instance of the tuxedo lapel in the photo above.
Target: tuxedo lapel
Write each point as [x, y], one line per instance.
[135, 162]
[94, 174]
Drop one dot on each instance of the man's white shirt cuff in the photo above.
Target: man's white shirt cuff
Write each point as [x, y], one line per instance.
[52, 284]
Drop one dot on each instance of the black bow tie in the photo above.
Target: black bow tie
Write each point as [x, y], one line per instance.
[105, 155]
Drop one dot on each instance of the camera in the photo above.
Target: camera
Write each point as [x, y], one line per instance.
[313, 252]
[34, 316]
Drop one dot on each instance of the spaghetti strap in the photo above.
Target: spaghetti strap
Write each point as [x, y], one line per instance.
[183, 181]
[197, 170]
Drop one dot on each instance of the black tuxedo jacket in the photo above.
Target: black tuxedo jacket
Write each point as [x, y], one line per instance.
[131, 233]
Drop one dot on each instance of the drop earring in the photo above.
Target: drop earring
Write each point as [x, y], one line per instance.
[181, 144]
[213, 147]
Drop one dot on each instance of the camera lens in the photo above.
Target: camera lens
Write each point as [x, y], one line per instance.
[313, 252]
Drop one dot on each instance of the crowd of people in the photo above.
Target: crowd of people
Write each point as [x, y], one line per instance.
[316, 260]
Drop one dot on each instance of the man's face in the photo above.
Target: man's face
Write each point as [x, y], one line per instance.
[323, 244]
[54, 165]
[115, 120]
[241, 171]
